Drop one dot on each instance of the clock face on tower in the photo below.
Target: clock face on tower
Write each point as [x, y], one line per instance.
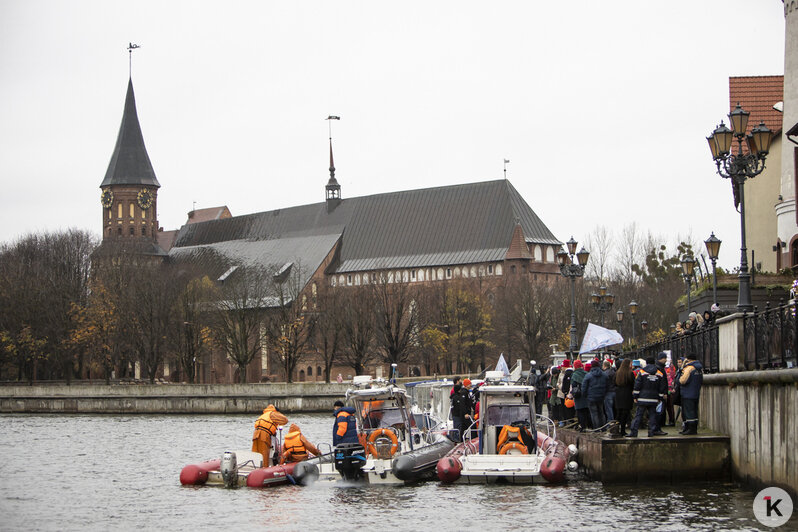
[144, 198]
[107, 198]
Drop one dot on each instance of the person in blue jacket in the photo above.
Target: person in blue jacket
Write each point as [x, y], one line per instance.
[345, 427]
[594, 387]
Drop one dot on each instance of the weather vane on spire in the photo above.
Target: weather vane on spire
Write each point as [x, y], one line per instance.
[130, 48]
[329, 120]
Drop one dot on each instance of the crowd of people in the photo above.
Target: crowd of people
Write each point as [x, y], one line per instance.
[696, 322]
[601, 393]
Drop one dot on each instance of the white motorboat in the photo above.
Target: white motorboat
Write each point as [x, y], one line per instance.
[508, 443]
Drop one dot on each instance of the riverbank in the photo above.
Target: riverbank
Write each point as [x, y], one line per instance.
[169, 398]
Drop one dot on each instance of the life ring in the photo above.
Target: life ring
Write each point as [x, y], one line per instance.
[379, 433]
[510, 445]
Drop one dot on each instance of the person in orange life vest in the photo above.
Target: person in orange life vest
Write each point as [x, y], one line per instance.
[296, 447]
[372, 413]
[265, 429]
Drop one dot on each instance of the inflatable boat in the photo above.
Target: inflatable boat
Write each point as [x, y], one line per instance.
[245, 468]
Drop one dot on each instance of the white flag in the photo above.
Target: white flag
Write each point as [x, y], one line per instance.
[597, 337]
[502, 366]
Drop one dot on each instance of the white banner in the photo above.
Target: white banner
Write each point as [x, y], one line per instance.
[597, 337]
[501, 365]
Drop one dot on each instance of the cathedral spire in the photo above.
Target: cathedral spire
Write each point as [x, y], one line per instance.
[130, 164]
[333, 188]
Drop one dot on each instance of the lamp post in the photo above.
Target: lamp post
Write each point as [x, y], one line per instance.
[688, 265]
[572, 269]
[713, 248]
[633, 311]
[619, 319]
[739, 167]
[602, 302]
[644, 326]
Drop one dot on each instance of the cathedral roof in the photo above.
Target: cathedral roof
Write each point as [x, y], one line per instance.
[130, 164]
[458, 224]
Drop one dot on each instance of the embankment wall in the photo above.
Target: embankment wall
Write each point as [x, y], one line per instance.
[759, 412]
[170, 398]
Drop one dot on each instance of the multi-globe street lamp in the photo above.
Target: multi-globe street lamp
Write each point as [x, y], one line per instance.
[572, 269]
[633, 312]
[739, 167]
[688, 265]
[713, 248]
[602, 302]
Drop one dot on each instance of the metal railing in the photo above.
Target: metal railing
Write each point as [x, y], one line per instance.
[770, 341]
[769, 338]
[703, 342]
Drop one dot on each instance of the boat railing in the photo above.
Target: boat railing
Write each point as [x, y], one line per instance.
[546, 425]
[328, 456]
[468, 439]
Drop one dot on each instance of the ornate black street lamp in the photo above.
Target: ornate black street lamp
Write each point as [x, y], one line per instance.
[688, 265]
[633, 312]
[572, 269]
[713, 248]
[619, 318]
[739, 167]
[644, 326]
[602, 302]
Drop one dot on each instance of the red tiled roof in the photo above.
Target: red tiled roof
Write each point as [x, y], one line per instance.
[757, 95]
[518, 248]
[206, 215]
[166, 239]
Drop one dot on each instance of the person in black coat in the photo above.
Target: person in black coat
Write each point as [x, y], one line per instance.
[650, 389]
[624, 385]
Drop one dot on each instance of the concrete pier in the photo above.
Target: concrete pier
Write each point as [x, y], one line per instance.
[170, 398]
[671, 458]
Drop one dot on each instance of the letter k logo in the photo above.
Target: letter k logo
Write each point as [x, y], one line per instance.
[773, 506]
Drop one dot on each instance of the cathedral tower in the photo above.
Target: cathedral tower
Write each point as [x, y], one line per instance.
[130, 189]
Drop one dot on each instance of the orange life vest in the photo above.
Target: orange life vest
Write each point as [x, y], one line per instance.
[510, 437]
[294, 449]
[265, 428]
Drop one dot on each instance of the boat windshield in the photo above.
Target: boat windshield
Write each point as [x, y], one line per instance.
[507, 414]
[384, 418]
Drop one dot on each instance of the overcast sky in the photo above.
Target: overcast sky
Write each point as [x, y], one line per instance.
[601, 107]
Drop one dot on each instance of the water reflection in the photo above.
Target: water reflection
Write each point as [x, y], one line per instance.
[121, 472]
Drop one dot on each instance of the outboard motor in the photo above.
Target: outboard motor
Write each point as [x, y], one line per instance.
[229, 470]
[349, 460]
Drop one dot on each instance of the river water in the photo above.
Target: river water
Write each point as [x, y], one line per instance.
[93, 472]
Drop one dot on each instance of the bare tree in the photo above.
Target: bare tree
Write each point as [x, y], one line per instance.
[397, 322]
[357, 326]
[240, 312]
[599, 242]
[192, 334]
[329, 337]
[289, 325]
[534, 311]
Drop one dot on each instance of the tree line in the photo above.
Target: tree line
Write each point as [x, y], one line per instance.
[63, 318]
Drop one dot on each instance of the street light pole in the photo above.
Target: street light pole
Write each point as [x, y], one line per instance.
[572, 269]
[739, 167]
[633, 311]
[713, 248]
[688, 265]
[602, 302]
[619, 318]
